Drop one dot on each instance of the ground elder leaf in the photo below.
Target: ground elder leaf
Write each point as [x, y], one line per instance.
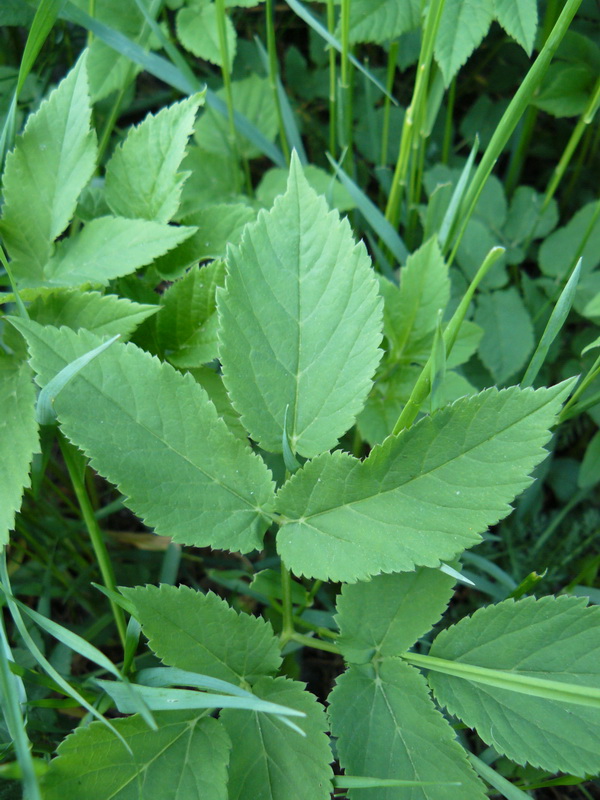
[382, 20]
[300, 323]
[388, 727]
[185, 758]
[519, 19]
[420, 497]
[463, 25]
[202, 633]
[197, 30]
[507, 338]
[386, 615]
[18, 438]
[557, 639]
[142, 178]
[271, 761]
[180, 468]
[51, 163]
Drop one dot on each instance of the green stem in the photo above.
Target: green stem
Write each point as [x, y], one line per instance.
[413, 112]
[592, 374]
[287, 631]
[448, 122]
[273, 77]
[332, 81]
[309, 641]
[387, 105]
[73, 463]
[512, 115]
[558, 519]
[520, 150]
[222, 34]
[422, 387]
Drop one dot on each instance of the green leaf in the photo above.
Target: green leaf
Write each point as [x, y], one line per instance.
[557, 639]
[110, 247]
[519, 19]
[410, 312]
[525, 216]
[142, 178]
[187, 757]
[507, 332]
[253, 98]
[269, 760]
[182, 328]
[382, 20]
[104, 315]
[589, 471]
[559, 249]
[388, 727]
[386, 615]
[300, 323]
[198, 32]
[183, 472]
[212, 383]
[566, 89]
[202, 633]
[212, 179]
[18, 438]
[463, 25]
[420, 497]
[45, 173]
[274, 183]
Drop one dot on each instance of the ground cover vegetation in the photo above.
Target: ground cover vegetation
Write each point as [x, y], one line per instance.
[299, 399]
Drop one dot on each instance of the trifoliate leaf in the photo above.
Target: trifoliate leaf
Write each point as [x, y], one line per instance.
[557, 639]
[300, 323]
[202, 633]
[420, 497]
[155, 434]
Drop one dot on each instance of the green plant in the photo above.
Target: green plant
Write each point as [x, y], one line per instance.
[282, 399]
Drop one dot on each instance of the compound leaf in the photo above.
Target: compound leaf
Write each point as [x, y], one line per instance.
[202, 633]
[556, 639]
[45, 173]
[185, 758]
[154, 433]
[300, 323]
[270, 761]
[388, 727]
[386, 615]
[519, 19]
[382, 20]
[420, 497]
[18, 438]
[142, 178]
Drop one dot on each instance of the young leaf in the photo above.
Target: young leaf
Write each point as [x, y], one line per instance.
[197, 30]
[142, 178]
[300, 323]
[45, 173]
[269, 760]
[110, 247]
[507, 332]
[104, 315]
[420, 497]
[18, 438]
[388, 727]
[382, 20]
[463, 25]
[187, 757]
[519, 19]
[202, 633]
[557, 639]
[410, 312]
[386, 615]
[182, 470]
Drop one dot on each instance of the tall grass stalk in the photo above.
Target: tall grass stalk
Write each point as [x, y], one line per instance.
[332, 81]
[273, 76]
[225, 72]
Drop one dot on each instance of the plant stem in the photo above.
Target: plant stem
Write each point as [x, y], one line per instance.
[222, 34]
[273, 77]
[512, 115]
[332, 81]
[413, 112]
[309, 641]
[423, 385]
[287, 631]
[448, 122]
[73, 464]
[387, 105]
[558, 519]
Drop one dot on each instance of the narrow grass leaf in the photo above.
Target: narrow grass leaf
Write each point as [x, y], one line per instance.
[386, 615]
[183, 471]
[272, 762]
[186, 757]
[388, 727]
[52, 161]
[422, 496]
[450, 216]
[202, 633]
[501, 784]
[18, 438]
[300, 323]
[553, 640]
[559, 315]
